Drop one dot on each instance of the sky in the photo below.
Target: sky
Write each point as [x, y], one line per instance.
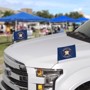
[53, 6]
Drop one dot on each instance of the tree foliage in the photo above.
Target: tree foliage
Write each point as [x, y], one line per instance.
[44, 13]
[74, 14]
[1, 13]
[7, 13]
[59, 14]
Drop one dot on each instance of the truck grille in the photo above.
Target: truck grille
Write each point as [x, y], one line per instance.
[14, 77]
[6, 86]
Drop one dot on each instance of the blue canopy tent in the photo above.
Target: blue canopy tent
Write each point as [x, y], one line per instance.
[62, 19]
[81, 19]
[22, 17]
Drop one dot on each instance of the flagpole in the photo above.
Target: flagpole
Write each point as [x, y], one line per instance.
[16, 24]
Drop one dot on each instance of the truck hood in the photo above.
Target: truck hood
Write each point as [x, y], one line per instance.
[41, 52]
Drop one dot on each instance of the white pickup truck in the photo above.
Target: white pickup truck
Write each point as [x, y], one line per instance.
[53, 62]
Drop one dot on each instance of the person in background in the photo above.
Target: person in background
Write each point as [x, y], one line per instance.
[29, 32]
[1, 31]
[8, 28]
[70, 28]
[4, 28]
[45, 31]
[58, 28]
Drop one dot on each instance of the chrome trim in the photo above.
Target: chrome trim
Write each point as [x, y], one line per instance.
[11, 63]
[11, 84]
[1, 87]
[13, 75]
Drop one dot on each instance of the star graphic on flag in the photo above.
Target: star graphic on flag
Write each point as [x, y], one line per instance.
[67, 52]
[20, 35]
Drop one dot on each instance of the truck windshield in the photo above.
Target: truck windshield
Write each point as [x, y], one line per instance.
[82, 33]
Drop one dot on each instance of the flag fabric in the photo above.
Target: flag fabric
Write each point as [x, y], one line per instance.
[20, 35]
[66, 52]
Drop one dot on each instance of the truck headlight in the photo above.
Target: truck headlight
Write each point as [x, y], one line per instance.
[39, 72]
[40, 87]
[50, 76]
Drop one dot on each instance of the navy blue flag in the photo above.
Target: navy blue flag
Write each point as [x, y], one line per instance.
[20, 35]
[66, 52]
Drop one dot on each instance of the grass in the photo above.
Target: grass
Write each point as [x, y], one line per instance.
[4, 42]
[2, 47]
[4, 39]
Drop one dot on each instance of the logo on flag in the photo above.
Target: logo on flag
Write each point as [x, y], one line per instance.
[20, 35]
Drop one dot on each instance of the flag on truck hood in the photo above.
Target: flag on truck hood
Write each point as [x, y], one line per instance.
[66, 52]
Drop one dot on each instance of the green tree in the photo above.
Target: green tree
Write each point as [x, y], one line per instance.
[66, 14]
[59, 14]
[1, 13]
[74, 15]
[44, 13]
[7, 13]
